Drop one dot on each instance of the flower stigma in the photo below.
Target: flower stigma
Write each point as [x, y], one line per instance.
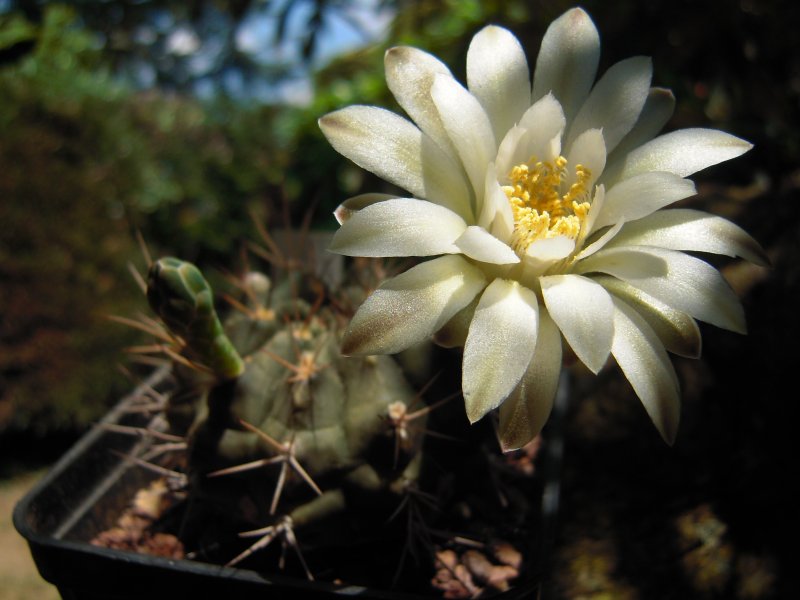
[540, 210]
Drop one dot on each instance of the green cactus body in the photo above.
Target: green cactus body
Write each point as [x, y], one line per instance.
[277, 367]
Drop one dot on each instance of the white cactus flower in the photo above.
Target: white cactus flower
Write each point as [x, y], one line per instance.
[545, 207]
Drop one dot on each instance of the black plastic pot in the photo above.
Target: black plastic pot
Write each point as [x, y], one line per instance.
[84, 494]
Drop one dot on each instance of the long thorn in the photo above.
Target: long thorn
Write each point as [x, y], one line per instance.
[264, 436]
[256, 464]
[304, 474]
[142, 432]
[153, 467]
[262, 543]
[276, 496]
[137, 277]
[143, 247]
[157, 331]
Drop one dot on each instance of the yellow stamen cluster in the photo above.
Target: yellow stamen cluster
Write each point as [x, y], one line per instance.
[539, 208]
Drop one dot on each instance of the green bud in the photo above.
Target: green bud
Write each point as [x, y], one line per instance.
[180, 295]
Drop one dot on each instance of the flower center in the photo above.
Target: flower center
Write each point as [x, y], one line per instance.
[540, 210]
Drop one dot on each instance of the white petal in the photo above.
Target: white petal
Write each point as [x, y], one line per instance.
[692, 230]
[550, 249]
[454, 333]
[352, 205]
[623, 263]
[495, 214]
[408, 308]
[657, 111]
[600, 242]
[399, 227]
[582, 309]
[499, 346]
[480, 245]
[642, 358]
[641, 195]
[527, 409]
[615, 101]
[409, 74]
[468, 127]
[545, 123]
[567, 61]
[395, 150]
[589, 150]
[677, 331]
[682, 152]
[598, 201]
[512, 151]
[497, 75]
[683, 282]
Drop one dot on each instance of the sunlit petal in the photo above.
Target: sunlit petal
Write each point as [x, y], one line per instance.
[498, 76]
[623, 263]
[589, 150]
[495, 214]
[641, 195]
[468, 127]
[410, 307]
[601, 242]
[677, 331]
[567, 61]
[645, 363]
[410, 74]
[545, 122]
[682, 152]
[615, 102]
[692, 230]
[582, 310]
[499, 345]
[394, 149]
[352, 205]
[550, 249]
[453, 334]
[657, 111]
[399, 227]
[527, 409]
[687, 284]
[480, 245]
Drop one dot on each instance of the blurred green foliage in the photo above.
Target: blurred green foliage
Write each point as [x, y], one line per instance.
[86, 161]
[62, 255]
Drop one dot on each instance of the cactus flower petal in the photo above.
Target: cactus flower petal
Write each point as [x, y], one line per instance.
[498, 76]
[682, 152]
[645, 363]
[692, 230]
[412, 306]
[567, 61]
[642, 195]
[677, 331]
[583, 311]
[410, 73]
[499, 345]
[417, 228]
[396, 150]
[689, 284]
[528, 407]
[615, 101]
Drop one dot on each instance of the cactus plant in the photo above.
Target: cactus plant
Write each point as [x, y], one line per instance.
[270, 387]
